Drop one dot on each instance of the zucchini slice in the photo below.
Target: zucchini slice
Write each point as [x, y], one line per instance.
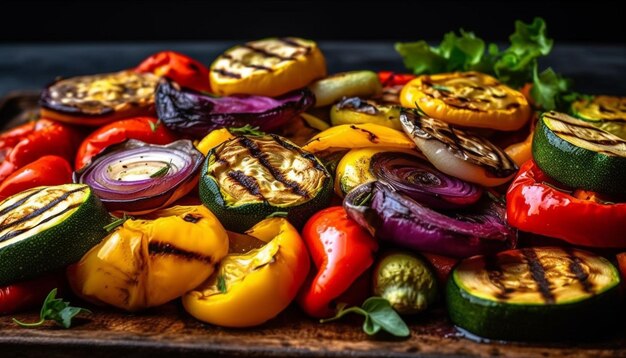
[580, 155]
[345, 84]
[606, 112]
[534, 294]
[247, 178]
[47, 228]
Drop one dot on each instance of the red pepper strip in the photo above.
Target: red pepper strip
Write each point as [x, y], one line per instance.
[389, 78]
[183, 70]
[24, 295]
[535, 205]
[45, 137]
[443, 265]
[47, 170]
[342, 251]
[145, 129]
[11, 137]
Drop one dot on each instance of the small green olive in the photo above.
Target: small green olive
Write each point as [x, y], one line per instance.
[406, 281]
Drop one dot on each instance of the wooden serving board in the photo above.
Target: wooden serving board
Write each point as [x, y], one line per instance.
[169, 331]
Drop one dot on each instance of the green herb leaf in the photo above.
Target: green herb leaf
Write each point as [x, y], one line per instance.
[154, 125]
[246, 130]
[57, 310]
[117, 222]
[221, 283]
[162, 172]
[549, 89]
[378, 315]
[454, 53]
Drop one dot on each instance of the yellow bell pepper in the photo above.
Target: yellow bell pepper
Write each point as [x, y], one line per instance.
[148, 262]
[348, 136]
[470, 99]
[251, 288]
[213, 139]
[354, 168]
[268, 67]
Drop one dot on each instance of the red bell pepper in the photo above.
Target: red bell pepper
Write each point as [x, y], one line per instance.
[47, 170]
[24, 295]
[183, 70]
[342, 252]
[389, 78]
[27, 143]
[145, 129]
[535, 205]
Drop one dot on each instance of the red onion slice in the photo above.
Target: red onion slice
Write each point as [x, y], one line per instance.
[391, 216]
[422, 182]
[136, 177]
[195, 114]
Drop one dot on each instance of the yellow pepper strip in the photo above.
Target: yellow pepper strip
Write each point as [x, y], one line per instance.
[148, 262]
[213, 139]
[468, 99]
[522, 151]
[348, 136]
[251, 288]
[354, 168]
[315, 122]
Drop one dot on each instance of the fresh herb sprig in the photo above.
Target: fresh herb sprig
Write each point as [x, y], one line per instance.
[55, 309]
[379, 315]
[516, 65]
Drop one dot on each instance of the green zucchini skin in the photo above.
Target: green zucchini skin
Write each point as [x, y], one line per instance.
[240, 218]
[577, 167]
[57, 246]
[591, 318]
[473, 307]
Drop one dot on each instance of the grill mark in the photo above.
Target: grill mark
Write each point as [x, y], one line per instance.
[260, 156]
[495, 276]
[370, 136]
[538, 274]
[19, 202]
[576, 268]
[15, 233]
[226, 73]
[164, 248]
[267, 53]
[258, 67]
[248, 183]
[190, 218]
[306, 155]
[590, 140]
[42, 209]
[295, 44]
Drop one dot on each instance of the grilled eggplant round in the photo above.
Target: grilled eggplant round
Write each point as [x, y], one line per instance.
[99, 99]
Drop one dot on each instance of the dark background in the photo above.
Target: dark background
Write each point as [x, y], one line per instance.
[112, 20]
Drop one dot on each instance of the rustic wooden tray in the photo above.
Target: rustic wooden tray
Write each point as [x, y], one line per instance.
[169, 331]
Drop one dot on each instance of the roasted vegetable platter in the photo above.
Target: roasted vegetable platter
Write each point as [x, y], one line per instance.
[471, 205]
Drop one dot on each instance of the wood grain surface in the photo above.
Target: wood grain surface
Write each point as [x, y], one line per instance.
[168, 331]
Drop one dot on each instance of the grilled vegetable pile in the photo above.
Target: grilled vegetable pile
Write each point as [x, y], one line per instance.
[260, 181]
